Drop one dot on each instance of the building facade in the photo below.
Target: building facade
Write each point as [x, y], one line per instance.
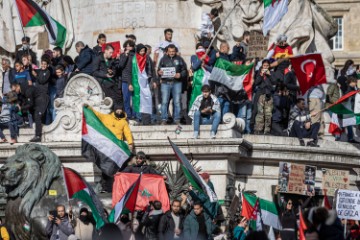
[345, 44]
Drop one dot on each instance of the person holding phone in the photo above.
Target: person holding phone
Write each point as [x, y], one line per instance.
[264, 83]
[58, 226]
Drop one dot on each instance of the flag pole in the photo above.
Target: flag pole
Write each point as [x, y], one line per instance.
[222, 25]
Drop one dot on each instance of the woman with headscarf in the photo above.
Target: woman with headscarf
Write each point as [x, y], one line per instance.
[142, 70]
[84, 225]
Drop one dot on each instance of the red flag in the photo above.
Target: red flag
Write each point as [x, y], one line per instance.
[152, 187]
[115, 45]
[310, 70]
[326, 200]
[302, 226]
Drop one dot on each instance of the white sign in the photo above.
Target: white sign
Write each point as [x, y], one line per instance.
[168, 72]
[348, 204]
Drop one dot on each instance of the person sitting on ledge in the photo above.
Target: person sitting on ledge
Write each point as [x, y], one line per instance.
[205, 110]
[300, 124]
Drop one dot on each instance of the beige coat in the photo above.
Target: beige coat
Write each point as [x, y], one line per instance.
[82, 231]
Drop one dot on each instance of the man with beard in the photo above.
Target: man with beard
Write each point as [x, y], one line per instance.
[84, 225]
[171, 223]
[58, 226]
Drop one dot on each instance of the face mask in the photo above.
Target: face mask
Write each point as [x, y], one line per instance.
[84, 219]
[350, 71]
[26, 46]
[121, 115]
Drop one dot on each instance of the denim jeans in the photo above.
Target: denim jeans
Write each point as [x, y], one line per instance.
[244, 111]
[224, 105]
[175, 89]
[213, 119]
[11, 127]
[127, 98]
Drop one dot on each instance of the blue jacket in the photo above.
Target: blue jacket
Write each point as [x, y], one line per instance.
[239, 233]
[84, 62]
[191, 226]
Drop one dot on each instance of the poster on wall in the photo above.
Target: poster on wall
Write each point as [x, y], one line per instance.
[297, 178]
[333, 179]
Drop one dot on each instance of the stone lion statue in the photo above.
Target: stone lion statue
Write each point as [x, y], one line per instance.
[34, 186]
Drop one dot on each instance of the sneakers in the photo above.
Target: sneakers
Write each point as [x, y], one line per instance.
[212, 135]
[196, 135]
[163, 122]
[3, 140]
[302, 142]
[35, 139]
[312, 144]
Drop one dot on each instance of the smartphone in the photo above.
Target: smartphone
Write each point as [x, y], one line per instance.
[53, 213]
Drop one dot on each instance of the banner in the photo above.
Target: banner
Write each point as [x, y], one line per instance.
[333, 179]
[348, 204]
[297, 178]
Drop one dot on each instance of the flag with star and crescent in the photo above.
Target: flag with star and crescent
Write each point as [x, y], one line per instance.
[309, 70]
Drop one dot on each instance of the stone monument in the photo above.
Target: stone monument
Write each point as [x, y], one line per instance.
[34, 185]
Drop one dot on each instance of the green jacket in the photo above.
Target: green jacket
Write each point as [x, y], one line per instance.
[191, 226]
[332, 94]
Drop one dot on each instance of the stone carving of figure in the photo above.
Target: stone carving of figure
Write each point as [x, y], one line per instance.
[10, 27]
[307, 26]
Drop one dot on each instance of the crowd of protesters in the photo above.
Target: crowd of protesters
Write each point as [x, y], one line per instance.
[273, 107]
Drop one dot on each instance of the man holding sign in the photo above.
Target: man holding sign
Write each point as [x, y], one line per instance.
[172, 69]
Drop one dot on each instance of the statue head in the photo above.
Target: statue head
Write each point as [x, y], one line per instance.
[28, 174]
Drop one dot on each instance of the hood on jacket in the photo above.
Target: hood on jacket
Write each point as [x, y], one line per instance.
[123, 118]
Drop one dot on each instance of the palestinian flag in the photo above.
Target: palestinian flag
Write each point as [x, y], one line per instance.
[268, 211]
[78, 188]
[141, 99]
[100, 145]
[201, 77]
[343, 106]
[191, 174]
[127, 202]
[32, 15]
[343, 115]
[248, 211]
[274, 10]
[233, 76]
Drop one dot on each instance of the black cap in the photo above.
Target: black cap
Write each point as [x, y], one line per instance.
[25, 39]
[205, 88]
[132, 36]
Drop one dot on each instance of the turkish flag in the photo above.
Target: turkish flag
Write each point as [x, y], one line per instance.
[309, 70]
[152, 188]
